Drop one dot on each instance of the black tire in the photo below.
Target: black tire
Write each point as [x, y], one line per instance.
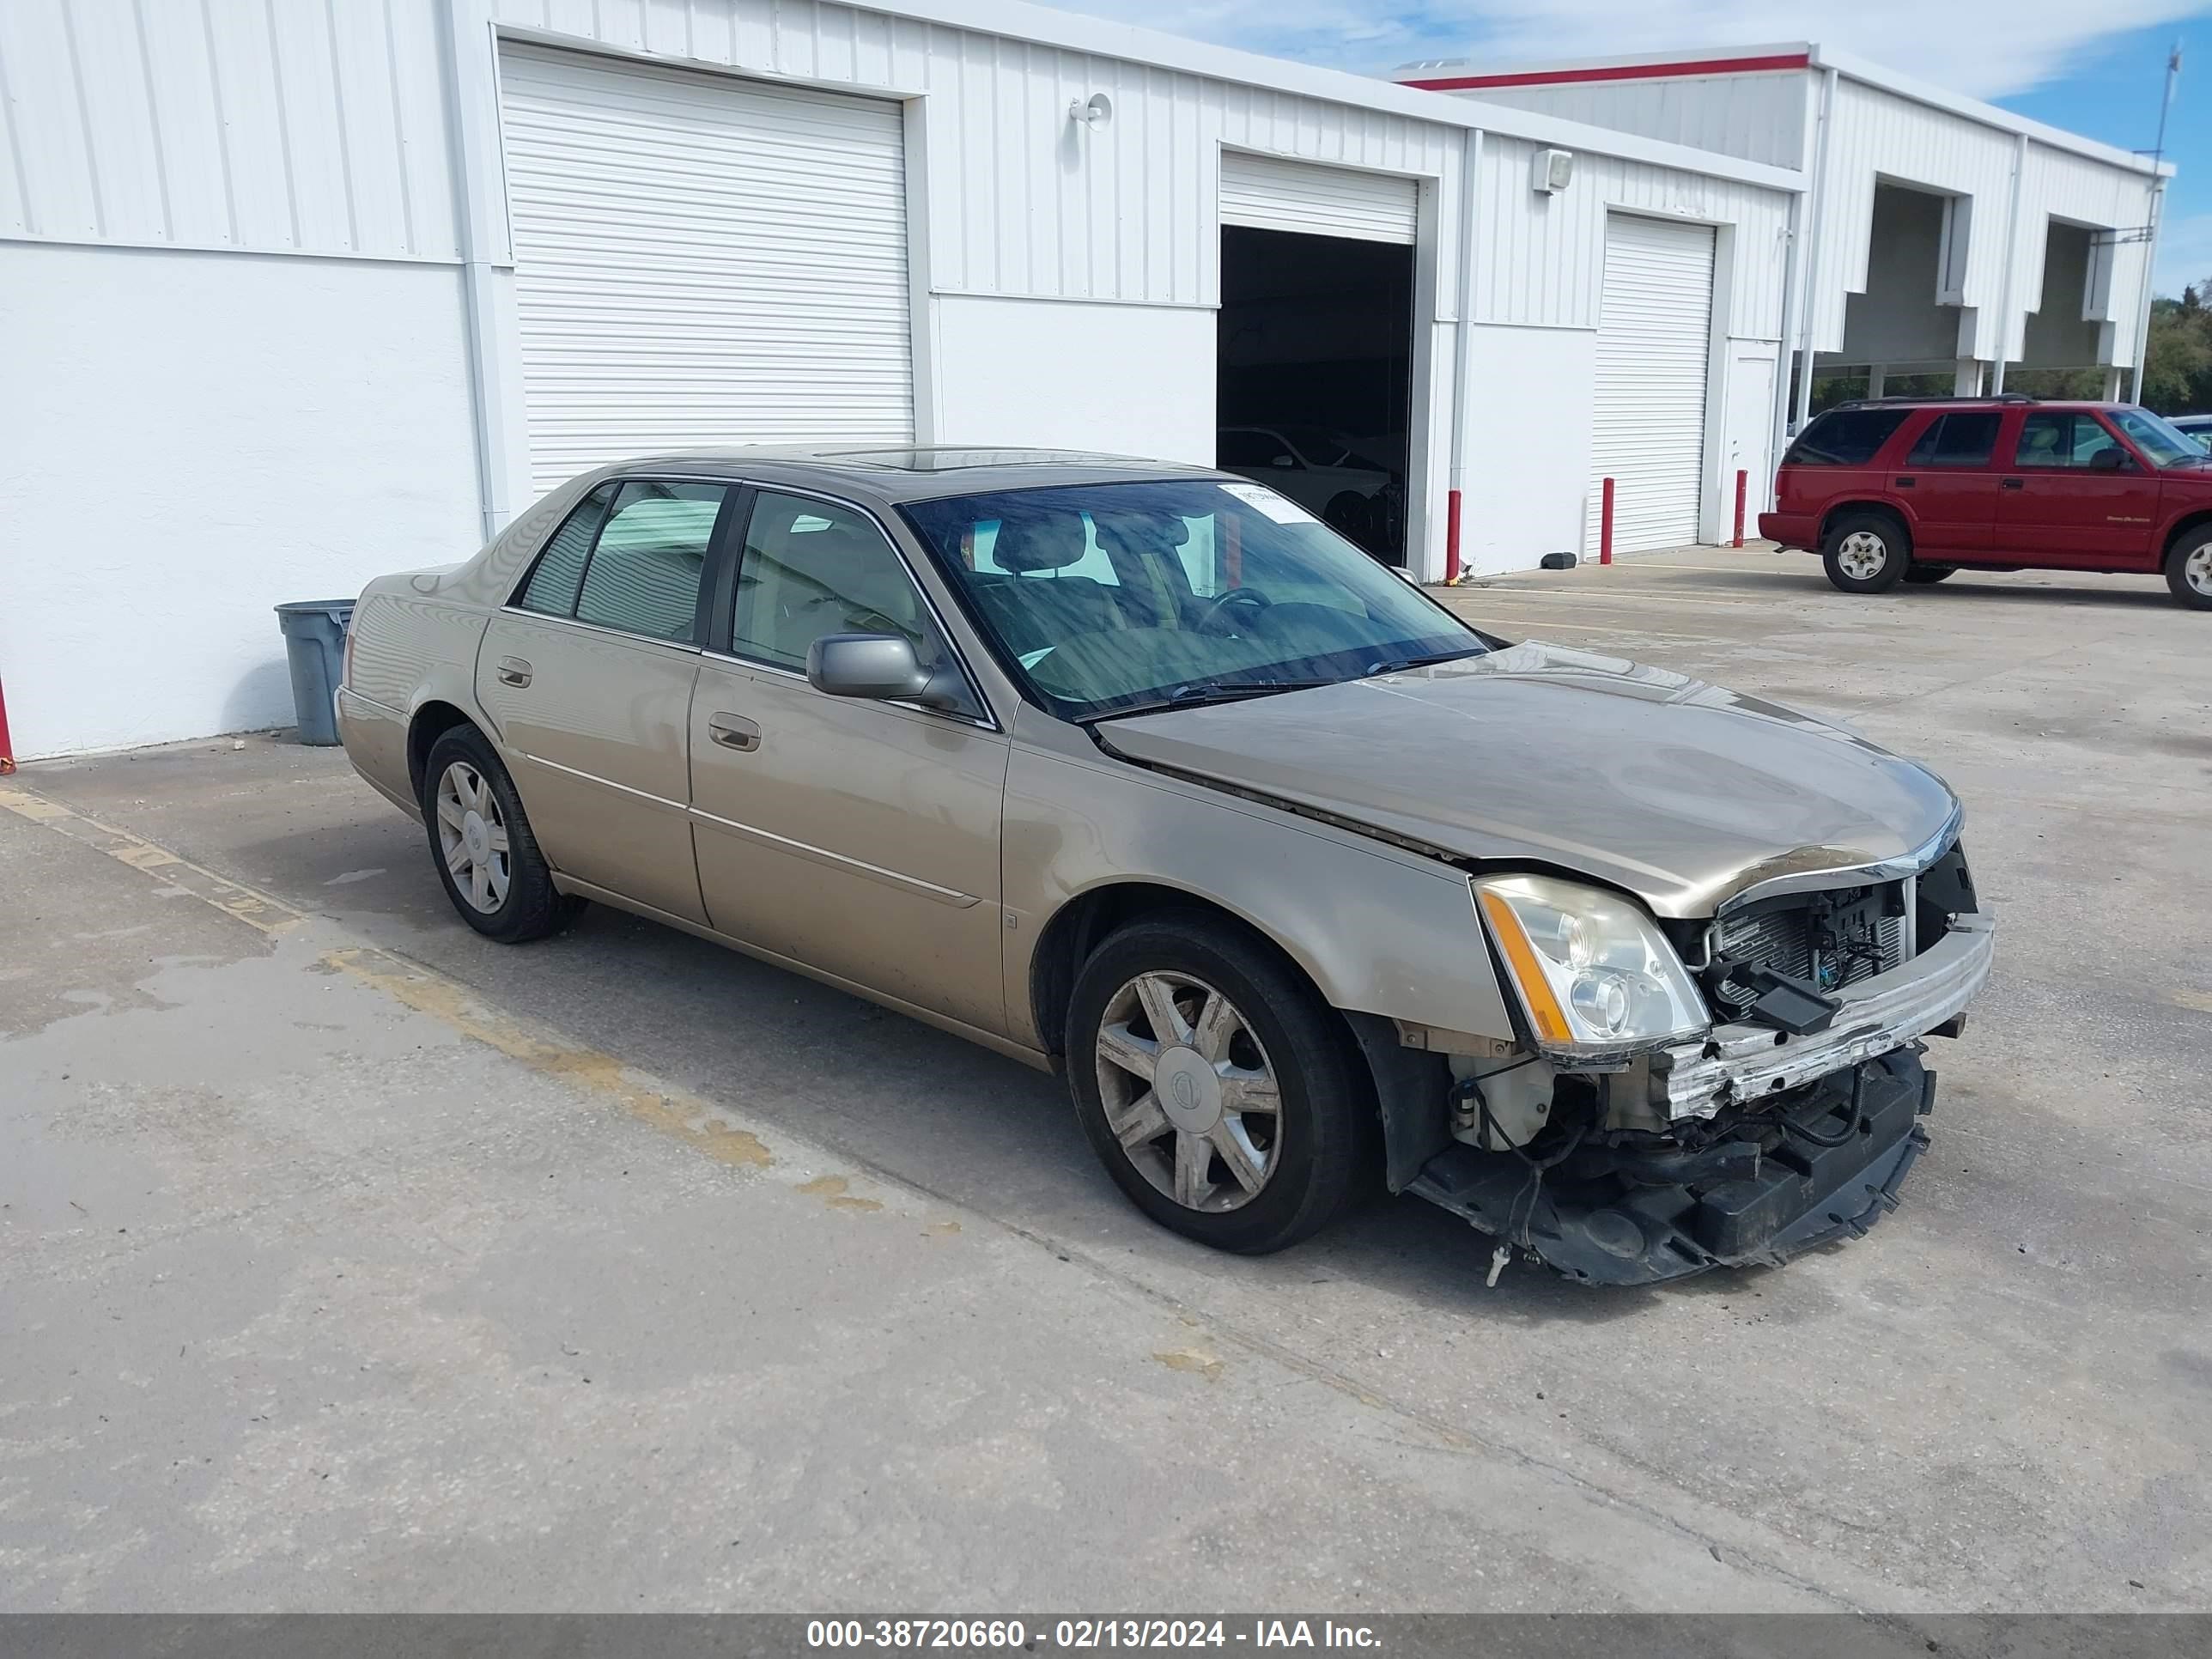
[1921, 575]
[1848, 539]
[2195, 547]
[1321, 1141]
[532, 906]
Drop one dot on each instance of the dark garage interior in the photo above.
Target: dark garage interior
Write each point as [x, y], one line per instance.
[1316, 359]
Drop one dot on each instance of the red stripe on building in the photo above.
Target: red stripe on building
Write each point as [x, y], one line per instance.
[1790, 60]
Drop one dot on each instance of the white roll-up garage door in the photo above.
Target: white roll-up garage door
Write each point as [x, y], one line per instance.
[1653, 352]
[1269, 193]
[701, 259]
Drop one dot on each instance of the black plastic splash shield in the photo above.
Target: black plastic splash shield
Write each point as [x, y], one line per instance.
[1609, 1228]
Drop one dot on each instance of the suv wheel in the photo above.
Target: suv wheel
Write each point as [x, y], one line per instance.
[1867, 553]
[482, 845]
[1215, 1085]
[2189, 569]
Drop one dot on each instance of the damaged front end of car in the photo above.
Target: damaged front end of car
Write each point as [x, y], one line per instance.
[1722, 1091]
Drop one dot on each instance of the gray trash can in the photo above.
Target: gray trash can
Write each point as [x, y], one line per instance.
[314, 640]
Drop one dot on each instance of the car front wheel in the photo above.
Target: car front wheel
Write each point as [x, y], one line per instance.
[482, 842]
[1866, 553]
[2189, 569]
[1217, 1087]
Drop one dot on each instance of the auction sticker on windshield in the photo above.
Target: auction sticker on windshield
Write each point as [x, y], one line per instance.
[1280, 508]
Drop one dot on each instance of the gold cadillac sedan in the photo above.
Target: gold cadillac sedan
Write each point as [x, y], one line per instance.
[1140, 774]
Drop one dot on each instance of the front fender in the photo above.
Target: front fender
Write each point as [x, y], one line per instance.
[1378, 929]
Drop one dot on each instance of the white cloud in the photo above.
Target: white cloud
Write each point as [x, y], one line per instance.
[1986, 48]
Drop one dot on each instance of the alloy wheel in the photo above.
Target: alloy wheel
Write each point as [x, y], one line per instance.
[2197, 570]
[1189, 1091]
[1861, 556]
[472, 836]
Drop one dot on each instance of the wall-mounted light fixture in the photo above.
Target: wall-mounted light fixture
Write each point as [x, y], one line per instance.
[1552, 171]
[1095, 110]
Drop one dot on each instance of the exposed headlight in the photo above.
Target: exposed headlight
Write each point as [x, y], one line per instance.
[1595, 976]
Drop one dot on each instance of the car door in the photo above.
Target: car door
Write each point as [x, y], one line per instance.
[587, 676]
[2060, 505]
[1946, 480]
[860, 838]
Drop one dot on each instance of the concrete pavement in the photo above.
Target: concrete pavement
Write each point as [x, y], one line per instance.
[350, 1261]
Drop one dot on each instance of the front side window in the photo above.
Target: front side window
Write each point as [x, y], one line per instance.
[2056, 437]
[1218, 588]
[813, 568]
[1845, 437]
[1963, 438]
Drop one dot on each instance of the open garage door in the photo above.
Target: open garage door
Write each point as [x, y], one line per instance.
[1654, 353]
[1315, 343]
[701, 259]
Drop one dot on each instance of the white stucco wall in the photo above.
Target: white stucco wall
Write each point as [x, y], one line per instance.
[191, 438]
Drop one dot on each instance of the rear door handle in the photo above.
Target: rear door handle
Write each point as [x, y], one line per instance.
[734, 732]
[514, 670]
[2012, 483]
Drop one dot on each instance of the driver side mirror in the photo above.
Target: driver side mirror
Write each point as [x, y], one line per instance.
[2109, 461]
[1283, 460]
[882, 667]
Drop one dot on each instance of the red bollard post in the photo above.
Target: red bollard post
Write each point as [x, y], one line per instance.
[1451, 537]
[7, 748]
[1605, 524]
[1743, 482]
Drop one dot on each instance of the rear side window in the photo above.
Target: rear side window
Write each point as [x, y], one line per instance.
[1962, 438]
[554, 585]
[1845, 437]
[644, 572]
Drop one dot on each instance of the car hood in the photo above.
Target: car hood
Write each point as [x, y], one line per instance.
[1678, 791]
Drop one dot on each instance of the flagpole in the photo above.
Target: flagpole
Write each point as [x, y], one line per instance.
[2157, 202]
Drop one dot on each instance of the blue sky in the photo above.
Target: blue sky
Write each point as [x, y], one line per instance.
[2092, 66]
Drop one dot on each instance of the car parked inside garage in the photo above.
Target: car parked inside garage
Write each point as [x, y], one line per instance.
[1892, 491]
[1141, 774]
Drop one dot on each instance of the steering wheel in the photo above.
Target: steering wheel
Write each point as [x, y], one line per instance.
[1221, 606]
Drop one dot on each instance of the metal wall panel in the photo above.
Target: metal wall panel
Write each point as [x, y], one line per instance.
[1271, 194]
[1022, 200]
[1759, 117]
[2083, 191]
[1540, 258]
[227, 123]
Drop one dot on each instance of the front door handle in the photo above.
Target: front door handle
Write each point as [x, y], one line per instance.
[2012, 483]
[514, 670]
[734, 732]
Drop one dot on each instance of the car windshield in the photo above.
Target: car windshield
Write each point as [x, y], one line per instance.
[1105, 599]
[2163, 444]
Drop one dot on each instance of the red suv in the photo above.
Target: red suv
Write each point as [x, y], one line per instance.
[1894, 491]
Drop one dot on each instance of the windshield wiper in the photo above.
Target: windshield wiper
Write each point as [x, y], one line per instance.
[1399, 664]
[1197, 694]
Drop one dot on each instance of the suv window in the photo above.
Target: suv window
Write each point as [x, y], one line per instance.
[2061, 438]
[1963, 438]
[813, 568]
[1845, 437]
[643, 576]
[559, 574]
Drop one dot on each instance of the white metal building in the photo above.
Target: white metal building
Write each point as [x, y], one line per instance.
[296, 294]
[1943, 237]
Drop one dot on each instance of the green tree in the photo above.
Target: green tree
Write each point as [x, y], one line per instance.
[2178, 360]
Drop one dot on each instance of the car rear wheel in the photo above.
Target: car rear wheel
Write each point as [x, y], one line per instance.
[2189, 569]
[1217, 1087]
[1923, 575]
[481, 841]
[1866, 553]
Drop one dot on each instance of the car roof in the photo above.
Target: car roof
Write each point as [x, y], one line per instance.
[912, 473]
[2002, 401]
